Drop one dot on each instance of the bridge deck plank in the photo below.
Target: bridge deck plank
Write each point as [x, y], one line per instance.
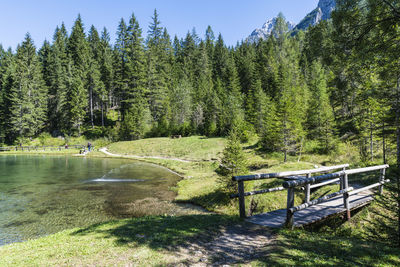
[277, 218]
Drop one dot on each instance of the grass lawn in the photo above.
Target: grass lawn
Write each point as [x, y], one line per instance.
[194, 148]
[146, 241]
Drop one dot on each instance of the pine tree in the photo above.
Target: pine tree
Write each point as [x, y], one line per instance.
[181, 107]
[121, 73]
[320, 115]
[133, 103]
[7, 68]
[27, 94]
[202, 88]
[44, 58]
[291, 115]
[57, 65]
[107, 72]
[233, 161]
[157, 75]
[77, 93]
[95, 85]
[270, 136]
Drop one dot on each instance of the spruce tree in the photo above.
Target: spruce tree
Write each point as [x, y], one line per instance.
[57, 65]
[233, 161]
[181, 107]
[107, 73]
[157, 75]
[133, 103]
[27, 94]
[77, 93]
[95, 85]
[7, 69]
[320, 115]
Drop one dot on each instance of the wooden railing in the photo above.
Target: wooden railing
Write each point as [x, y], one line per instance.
[345, 190]
[289, 175]
[40, 148]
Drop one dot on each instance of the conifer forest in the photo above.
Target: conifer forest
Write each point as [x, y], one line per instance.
[339, 81]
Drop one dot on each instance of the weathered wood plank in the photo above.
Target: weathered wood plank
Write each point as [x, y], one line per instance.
[242, 208]
[288, 173]
[381, 179]
[290, 204]
[277, 218]
[308, 190]
[369, 187]
[320, 200]
[256, 192]
[325, 183]
[367, 169]
[311, 180]
[320, 178]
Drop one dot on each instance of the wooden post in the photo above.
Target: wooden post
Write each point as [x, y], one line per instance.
[242, 208]
[346, 197]
[341, 180]
[290, 204]
[381, 180]
[308, 190]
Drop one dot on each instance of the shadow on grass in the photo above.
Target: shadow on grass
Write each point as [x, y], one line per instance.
[218, 238]
[160, 232]
[302, 248]
[210, 200]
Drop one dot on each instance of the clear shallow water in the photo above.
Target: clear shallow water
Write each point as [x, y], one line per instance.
[40, 195]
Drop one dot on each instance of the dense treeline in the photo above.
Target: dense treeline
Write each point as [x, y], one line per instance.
[286, 89]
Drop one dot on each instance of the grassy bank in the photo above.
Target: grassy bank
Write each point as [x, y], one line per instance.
[146, 241]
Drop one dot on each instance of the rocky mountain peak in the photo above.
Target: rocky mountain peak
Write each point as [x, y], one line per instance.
[266, 30]
[321, 12]
[326, 6]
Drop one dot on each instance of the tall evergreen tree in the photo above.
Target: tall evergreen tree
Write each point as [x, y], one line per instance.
[157, 81]
[27, 94]
[320, 115]
[57, 65]
[7, 68]
[121, 73]
[77, 93]
[95, 85]
[133, 103]
[106, 72]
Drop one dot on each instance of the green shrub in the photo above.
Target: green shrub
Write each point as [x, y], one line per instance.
[233, 162]
[95, 132]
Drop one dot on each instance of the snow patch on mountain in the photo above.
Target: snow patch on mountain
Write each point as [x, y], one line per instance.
[266, 30]
[321, 12]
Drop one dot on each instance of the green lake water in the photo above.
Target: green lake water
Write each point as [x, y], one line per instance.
[40, 195]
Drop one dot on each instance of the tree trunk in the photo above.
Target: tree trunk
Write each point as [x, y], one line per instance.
[91, 105]
[383, 143]
[371, 144]
[102, 113]
[398, 155]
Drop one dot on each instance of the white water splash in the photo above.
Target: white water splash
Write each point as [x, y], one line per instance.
[107, 178]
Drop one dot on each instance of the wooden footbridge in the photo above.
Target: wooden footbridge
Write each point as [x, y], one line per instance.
[342, 201]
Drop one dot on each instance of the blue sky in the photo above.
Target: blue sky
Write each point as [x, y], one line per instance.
[235, 19]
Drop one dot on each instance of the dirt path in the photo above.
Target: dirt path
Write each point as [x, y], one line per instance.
[237, 244]
[104, 150]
